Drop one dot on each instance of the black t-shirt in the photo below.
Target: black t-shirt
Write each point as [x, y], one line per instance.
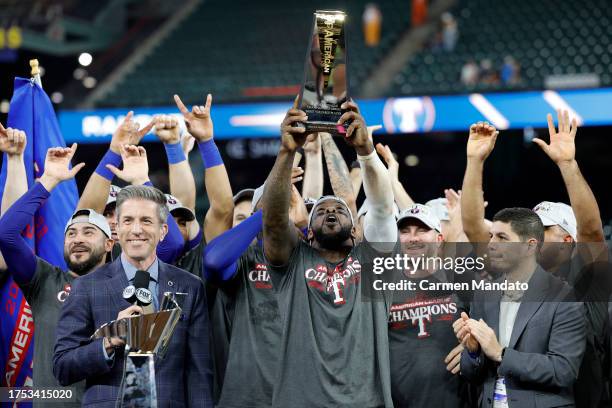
[420, 337]
[252, 319]
[334, 350]
[591, 283]
[46, 293]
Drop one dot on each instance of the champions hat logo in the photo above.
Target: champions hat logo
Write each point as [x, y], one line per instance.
[408, 115]
[63, 295]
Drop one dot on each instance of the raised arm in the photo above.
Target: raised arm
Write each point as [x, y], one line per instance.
[402, 198]
[279, 234]
[222, 253]
[313, 173]
[199, 124]
[96, 191]
[338, 171]
[379, 223]
[480, 145]
[19, 257]
[562, 151]
[13, 143]
[355, 172]
[182, 184]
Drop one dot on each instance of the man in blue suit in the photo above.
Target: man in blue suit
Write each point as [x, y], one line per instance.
[184, 375]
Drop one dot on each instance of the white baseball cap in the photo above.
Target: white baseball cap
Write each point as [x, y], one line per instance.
[176, 208]
[93, 218]
[558, 214]
[330, 198]
[439, 208]
[112, 194]
[422, 213]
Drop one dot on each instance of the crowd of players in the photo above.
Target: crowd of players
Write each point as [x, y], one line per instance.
[279, 310]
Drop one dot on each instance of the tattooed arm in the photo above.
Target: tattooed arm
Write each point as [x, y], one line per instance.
[339, 176]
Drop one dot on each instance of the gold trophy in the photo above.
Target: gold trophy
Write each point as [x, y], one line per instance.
[325, 85]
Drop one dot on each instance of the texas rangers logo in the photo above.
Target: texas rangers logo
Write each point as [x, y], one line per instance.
[408, 115]
[63, 294]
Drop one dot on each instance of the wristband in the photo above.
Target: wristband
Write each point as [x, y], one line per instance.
[148, 184]
[355, 164]
[109, 158]
[210, 154]
[175, 153]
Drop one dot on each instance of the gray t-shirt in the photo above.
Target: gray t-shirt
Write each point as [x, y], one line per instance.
[334, 350]
[252, 312]
[46, 294]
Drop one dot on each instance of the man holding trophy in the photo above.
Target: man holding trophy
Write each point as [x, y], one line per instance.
[182, 376]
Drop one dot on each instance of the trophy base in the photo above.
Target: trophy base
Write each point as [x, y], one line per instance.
[139, 389]
[324, 120]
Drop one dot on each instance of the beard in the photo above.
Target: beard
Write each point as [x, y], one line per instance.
[84, 267]
[334, 240]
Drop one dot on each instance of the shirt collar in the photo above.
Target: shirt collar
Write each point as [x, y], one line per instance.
[130, 270]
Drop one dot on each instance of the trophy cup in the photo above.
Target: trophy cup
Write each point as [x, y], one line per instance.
[146, 336]
[325, 85]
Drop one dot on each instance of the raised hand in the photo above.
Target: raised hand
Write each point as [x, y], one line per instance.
[562, 146]
[389, 157]
[293, 137]
[135, 166]
[167, 129]
[57, 166]
[12, 141]
[357, 132]
[198, 121]
[481, 140]
[129, 132]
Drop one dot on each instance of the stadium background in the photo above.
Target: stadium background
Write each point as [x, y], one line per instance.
[252, 52]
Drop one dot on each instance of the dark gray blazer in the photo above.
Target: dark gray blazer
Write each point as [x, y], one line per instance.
[183, 376]
[541, 362]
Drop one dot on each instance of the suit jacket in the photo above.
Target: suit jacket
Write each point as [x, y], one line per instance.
[541, 362]
[183, 376]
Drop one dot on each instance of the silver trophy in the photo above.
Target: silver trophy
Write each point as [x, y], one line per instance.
[146, 336]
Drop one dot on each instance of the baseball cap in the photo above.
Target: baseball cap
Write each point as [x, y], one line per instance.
[330, 198]
[422, 213]
[177, 208]
[93, 218]
[439, 208]
[557, 214]
[365, 207]
[257, 194]
[112, 194]
[246, 194]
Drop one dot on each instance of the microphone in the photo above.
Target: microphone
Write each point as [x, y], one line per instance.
[139, 293]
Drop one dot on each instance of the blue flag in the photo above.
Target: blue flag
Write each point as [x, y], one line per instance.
[31, 111]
